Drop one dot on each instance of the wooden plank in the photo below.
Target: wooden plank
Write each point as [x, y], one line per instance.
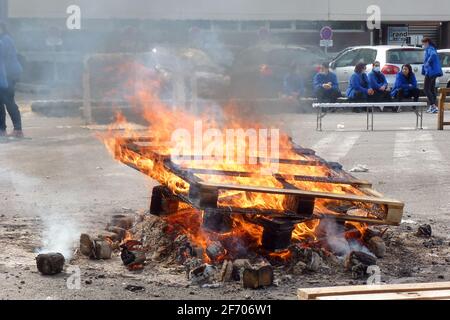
[313, 293]
[407, 295]
[320, 179]
[303, 193]
[440, 118]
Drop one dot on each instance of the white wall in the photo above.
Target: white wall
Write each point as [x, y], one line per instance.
[392, 10]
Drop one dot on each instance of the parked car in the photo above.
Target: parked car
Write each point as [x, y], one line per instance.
[444, 54]
[391, 59]
[258, 71]
[171, 63]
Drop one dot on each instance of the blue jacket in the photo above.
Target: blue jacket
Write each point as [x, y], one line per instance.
[377, 80]
[432, 64]
[13, 67]
[401, 82]
[358, 83]
[321, 78]
[3, 78]
[293, 83]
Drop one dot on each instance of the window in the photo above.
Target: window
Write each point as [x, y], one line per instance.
[404, 56]
[347, 59]
[445, 60]
[366, 56]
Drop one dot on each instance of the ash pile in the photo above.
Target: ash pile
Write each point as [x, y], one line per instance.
[211, 260]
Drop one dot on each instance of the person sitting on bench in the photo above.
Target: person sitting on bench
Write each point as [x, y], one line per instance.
[325, 84]
[405, 86]
[359, 88]
[379, 84]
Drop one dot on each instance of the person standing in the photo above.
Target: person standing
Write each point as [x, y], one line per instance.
[326, 86]
[378, 82]
[13, 70]
[431, 70]
[359, 88]
[3, 91]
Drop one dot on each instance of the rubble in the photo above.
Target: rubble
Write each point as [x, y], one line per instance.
[133, 255]
[134, 288]
[257, 276]
[377, 246]
[215, 250]
[86, 245]
[98, 248]
[203, 274]
[424, 230]
[357, 263]
[101, 249]
[122, 221]
[226, 273]
[50, 263]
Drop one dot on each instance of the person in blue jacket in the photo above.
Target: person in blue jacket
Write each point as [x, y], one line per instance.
[359, 89]
[293, 83]
[3, 90]
[405, 86]
[325, 85]
[378, 82]
[13, 70]
[431, 70]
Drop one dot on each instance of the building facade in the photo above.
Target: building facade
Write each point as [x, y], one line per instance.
[235, 23]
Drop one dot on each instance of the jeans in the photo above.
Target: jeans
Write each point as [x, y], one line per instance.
[411, 93]
[327, 96]
[430, 89]
[380, 96]
[7, 98]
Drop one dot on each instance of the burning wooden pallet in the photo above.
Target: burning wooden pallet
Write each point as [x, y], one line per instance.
[410, 291]
[196, 185]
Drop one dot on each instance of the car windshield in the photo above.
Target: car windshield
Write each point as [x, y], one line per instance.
[405, 56]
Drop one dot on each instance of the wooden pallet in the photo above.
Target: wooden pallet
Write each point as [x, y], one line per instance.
[409, 291]
[205, 195]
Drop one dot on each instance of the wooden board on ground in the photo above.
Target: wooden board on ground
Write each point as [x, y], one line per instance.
[408, 291]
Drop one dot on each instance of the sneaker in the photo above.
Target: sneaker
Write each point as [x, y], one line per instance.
[17, 134]
[431, 109]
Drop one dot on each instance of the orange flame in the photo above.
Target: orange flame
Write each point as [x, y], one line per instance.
[163, 120]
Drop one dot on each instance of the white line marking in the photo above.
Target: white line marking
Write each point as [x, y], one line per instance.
[419, 149]
[341, 147]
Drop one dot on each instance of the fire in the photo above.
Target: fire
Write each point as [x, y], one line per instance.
[163, 120]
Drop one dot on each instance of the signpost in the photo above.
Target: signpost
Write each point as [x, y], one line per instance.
[326, 38]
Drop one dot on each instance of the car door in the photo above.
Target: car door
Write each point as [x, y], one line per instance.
[344, 66]
[445, 62]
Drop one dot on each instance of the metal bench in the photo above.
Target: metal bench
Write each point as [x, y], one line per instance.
[418, 108]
